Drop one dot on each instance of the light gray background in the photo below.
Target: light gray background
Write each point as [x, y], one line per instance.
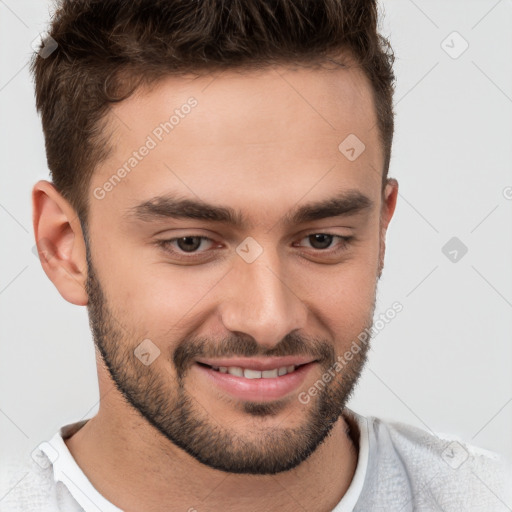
[444, 363]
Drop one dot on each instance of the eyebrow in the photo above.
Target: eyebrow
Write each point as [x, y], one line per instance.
[349, 202]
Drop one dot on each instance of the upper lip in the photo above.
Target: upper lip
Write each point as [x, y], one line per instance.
[258, 363]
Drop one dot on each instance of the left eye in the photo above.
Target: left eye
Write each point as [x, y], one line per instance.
[322, 238]
[187, 244]
[321, 242]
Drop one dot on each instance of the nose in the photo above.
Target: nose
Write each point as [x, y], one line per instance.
[260, 301]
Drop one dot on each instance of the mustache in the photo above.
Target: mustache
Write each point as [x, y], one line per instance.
[244, 345]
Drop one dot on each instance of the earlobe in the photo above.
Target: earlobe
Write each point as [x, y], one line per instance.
[60, 242]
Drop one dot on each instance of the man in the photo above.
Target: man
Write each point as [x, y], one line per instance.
[220, 201]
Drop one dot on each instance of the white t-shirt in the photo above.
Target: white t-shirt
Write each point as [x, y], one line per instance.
[400, 468]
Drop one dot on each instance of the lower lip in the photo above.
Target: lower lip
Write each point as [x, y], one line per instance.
[260, 390]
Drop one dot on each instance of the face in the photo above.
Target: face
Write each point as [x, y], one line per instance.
[243, 239]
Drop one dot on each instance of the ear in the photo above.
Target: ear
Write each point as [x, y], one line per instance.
[60, 242]
[389, 198]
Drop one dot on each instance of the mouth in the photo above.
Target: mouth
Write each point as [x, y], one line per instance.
[250, 373]
[252, 383]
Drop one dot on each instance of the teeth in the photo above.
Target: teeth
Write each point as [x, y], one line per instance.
[255, 374]
[252, 374]
[235, 370]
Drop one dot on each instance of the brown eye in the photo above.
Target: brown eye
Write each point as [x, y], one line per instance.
[181, 246]
[320, 240]
[323, 242]
[189, 243]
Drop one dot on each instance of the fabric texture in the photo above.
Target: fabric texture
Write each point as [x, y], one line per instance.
[400, 468]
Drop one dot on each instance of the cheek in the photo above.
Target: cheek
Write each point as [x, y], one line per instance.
[352, 279]
[344, 295]
[158, 297]
[347, 298]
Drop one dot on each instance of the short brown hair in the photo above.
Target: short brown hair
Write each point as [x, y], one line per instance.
[107, 48]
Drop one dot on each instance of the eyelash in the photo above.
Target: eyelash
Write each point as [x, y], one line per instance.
[164, 244]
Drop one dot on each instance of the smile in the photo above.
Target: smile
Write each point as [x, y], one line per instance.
[255, 384]
[249, 373]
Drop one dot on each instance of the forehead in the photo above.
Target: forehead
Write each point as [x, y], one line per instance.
[249, 135]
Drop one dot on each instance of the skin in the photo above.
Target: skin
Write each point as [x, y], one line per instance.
[262, 142]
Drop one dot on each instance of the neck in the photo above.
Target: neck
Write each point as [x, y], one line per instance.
[136, 468]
